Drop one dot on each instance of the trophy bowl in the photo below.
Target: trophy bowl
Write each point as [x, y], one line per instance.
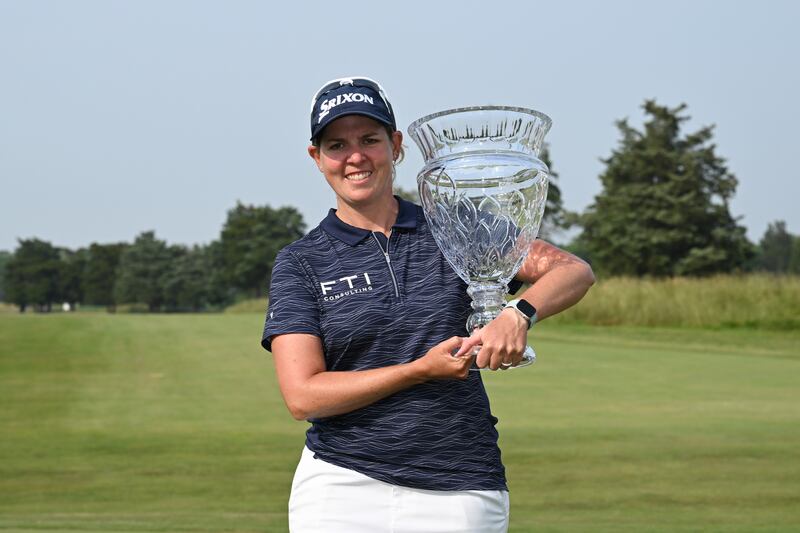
[483, 190]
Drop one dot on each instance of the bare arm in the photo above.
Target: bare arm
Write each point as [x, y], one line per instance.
[558, 281]
[310, 391]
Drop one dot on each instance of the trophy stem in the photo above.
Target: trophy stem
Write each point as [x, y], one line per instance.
[488, 300]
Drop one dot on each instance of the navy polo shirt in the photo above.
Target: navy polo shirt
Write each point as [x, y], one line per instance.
[376, 302]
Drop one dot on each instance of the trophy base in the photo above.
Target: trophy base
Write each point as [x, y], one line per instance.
[528, 358]
[488, 300]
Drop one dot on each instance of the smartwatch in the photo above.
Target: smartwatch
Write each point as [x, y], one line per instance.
[524, 308]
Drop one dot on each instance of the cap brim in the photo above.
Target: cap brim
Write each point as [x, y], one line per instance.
[331, 117]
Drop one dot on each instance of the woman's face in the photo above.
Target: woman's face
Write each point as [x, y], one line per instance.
[356, 154]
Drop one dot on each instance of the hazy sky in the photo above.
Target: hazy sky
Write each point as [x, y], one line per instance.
[118, 117]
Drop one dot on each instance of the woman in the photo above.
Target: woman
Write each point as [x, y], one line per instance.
[363, 322]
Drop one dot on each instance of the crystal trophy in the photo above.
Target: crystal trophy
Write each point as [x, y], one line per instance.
[483, 190]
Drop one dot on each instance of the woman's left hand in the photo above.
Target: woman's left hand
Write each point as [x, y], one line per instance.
[502, 341]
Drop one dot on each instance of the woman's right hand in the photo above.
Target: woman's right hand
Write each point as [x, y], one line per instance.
[439, 363]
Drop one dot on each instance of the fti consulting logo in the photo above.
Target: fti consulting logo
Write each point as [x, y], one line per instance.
[345, 286]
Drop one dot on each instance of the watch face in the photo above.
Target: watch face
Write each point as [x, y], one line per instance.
[526, 308]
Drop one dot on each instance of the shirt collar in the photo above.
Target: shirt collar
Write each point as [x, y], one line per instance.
[333, 225]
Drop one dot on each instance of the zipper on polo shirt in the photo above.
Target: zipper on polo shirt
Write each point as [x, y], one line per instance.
[388, 263]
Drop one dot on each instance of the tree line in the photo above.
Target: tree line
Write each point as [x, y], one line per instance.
[152, 273]
[663, 210]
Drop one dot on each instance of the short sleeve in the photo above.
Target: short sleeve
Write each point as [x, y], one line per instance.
[292, 303]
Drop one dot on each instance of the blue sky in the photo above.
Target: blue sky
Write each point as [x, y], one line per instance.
[118, 117]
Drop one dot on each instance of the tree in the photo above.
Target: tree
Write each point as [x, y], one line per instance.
[220, 292]
[5, 257]
[251, 238]
[142, 267]
[100, 274]
[32, 275]
[556, 218]
[775, 248]
[188, 283]
[663, 209]
[794, 260]
[70, 278]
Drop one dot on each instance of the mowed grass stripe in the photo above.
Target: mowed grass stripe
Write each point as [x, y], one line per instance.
[178, 418]
[652, 435]
[175, 423]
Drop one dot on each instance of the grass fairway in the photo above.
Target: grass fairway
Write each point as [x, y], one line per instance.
[174, 423]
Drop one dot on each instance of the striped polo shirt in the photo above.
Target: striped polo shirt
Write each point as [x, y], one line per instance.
[376, 302]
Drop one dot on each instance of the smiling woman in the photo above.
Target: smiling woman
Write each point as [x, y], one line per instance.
[363, 319]
[357, 154]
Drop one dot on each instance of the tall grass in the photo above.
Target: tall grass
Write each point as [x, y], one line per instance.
[755, 301]
[255, 305]
[752, 301]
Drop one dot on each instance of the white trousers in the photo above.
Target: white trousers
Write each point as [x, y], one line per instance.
[330, 499]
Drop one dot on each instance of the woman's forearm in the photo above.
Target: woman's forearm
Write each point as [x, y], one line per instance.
[311, 391]
[335, 393]
[559, 279]
[559, 289]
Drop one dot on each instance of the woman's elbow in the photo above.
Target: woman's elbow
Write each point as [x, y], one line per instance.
[297, 413]
[298, 408]
[588, 276]
[300, 416]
